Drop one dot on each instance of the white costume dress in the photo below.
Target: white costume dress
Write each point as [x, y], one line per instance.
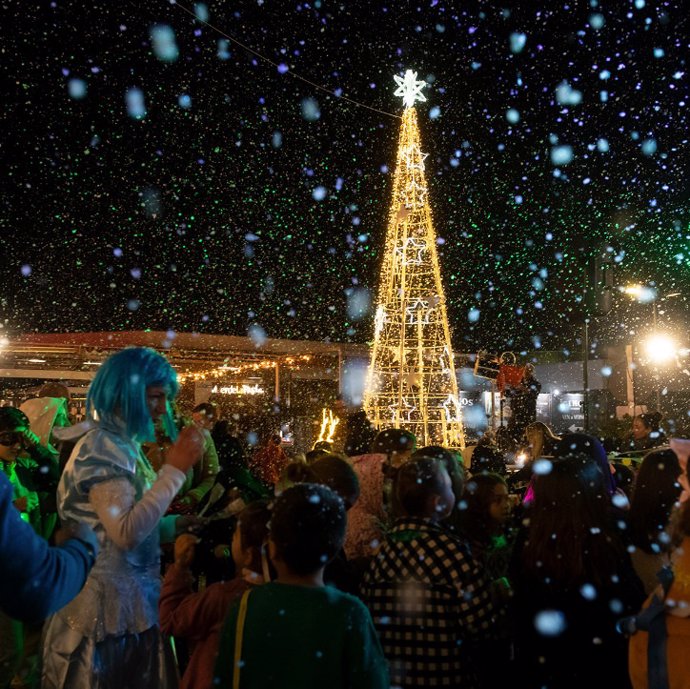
[108, 636]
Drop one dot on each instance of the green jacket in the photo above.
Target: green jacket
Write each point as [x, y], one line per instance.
[298, 637]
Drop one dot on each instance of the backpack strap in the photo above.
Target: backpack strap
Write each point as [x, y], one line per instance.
[657, 666]
[652, 620]
[239, 633]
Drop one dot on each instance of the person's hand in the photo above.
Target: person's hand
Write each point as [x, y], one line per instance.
[234, 494]
[187, 449]
[30, 438]
[501, 591]
[178, 507]
[80, 531]
[235, 507]
[189, 501]
[188, 524]
[222, 552]
[184, 550]
[21, 503]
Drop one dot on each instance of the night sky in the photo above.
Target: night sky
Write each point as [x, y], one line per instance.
[237, 198]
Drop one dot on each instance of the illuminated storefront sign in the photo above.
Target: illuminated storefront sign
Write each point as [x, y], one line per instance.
[243, 389]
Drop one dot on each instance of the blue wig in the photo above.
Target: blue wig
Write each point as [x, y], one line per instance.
[118, 392]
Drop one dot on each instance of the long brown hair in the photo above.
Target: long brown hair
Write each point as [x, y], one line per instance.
[539, 432]
[253, 525]
[680, 519]
[570, 540]
[475, 519]
[680, 524]
[655, 492]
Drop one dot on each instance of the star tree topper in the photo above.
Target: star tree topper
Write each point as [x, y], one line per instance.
[409, 89]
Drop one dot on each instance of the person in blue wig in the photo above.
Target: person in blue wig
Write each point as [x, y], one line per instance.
[108, 636]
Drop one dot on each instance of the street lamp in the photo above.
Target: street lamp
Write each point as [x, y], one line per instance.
[659, 348]
[647, 295]
[642, 293]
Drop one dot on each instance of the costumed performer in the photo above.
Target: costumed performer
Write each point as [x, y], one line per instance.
[108, 637]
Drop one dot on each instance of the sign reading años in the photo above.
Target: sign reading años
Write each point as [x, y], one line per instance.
[243, 389]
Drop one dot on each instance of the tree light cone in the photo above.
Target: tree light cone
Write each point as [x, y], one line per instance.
[411, 381]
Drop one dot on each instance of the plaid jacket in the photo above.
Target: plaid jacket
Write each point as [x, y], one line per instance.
[427, 597]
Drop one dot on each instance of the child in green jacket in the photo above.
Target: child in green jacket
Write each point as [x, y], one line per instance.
[297, 631]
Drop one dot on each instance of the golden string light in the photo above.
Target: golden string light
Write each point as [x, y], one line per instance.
[411, 381]
[328, 425]
[225, 370]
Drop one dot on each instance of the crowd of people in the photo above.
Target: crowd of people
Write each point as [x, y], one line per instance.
[147, 548]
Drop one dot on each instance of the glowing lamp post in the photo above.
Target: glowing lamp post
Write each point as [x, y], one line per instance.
[647, 295]
[659, 348]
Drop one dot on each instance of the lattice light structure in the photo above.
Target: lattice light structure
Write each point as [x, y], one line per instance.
[328, 424]
[411, 381]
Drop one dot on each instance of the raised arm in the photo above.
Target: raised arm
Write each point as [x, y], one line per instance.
[129, 522]
[209, 471]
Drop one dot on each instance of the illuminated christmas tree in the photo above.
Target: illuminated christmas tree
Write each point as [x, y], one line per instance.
[411, 381]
